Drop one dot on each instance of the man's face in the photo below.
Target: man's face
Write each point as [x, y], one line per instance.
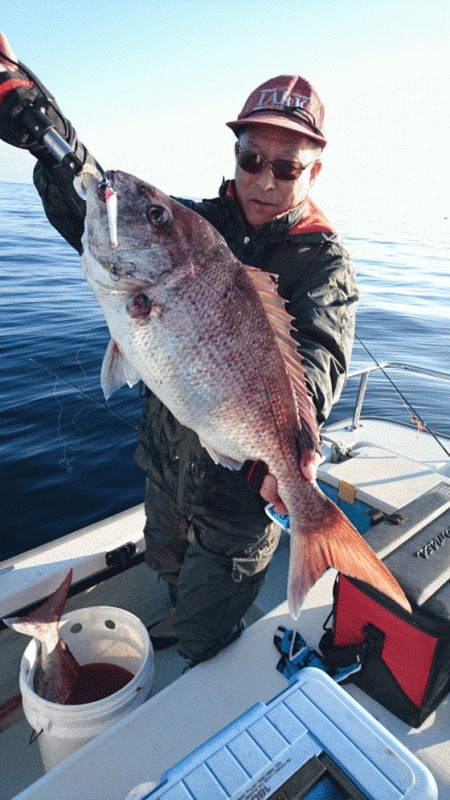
[262, 197]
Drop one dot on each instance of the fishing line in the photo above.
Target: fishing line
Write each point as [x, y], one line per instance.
[79, 351]
[413, 413]
[65, 461]
[87, 394]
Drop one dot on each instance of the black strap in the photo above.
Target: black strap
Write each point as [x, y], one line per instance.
[342, 656]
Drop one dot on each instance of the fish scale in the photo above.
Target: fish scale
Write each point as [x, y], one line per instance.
[210, 337]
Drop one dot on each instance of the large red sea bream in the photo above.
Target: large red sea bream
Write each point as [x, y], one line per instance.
[210, 337]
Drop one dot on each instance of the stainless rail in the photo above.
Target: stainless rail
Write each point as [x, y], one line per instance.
[383, 367]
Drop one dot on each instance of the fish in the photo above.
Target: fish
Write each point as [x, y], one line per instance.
[57, 669]
[210, 336]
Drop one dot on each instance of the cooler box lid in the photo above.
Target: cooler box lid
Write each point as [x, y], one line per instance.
[310, 741]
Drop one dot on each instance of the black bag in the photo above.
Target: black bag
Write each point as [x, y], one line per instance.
[405, 658]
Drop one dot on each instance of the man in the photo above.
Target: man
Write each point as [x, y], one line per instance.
[206, 531]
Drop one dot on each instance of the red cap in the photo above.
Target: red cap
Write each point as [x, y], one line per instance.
[287, 101]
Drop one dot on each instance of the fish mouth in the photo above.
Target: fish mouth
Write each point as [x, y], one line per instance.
[127, 264]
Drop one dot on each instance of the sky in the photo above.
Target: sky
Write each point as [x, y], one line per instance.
[148, 86]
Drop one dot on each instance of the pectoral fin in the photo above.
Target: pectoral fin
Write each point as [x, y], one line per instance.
[116, 371]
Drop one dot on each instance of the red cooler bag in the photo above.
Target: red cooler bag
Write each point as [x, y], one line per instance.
[405, 658]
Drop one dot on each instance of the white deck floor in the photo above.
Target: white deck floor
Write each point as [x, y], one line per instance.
[181, 717]
[20, 763]
[15, 776]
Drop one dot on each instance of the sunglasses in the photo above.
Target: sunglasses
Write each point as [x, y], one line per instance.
[282, 170]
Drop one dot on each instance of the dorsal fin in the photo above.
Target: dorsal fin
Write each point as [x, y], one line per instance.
[266, 286]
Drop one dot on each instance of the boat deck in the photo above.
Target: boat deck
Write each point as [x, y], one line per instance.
[389, 467]
[205, 699]
[150, 602]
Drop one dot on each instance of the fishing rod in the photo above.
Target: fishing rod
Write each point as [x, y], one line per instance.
[44, 131]
[413, 413]
[42, 127]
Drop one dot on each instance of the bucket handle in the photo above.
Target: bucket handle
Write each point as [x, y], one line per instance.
[35, 735]
[39, 722]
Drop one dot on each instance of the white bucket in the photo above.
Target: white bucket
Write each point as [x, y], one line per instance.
[94, 635]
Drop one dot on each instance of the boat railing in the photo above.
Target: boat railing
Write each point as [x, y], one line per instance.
[366, 371]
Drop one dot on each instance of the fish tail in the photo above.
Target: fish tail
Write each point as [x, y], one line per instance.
[336, 544]
[48, 615]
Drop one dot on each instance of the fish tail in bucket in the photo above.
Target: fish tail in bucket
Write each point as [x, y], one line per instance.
[315, 548]
[97, 636]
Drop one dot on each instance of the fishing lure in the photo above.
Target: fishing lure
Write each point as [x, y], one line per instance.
[111, 212]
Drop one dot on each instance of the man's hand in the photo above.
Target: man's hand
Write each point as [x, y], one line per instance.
[20, 89]
[14, 88]
[269, 491]
[269, 486]
[5, 48]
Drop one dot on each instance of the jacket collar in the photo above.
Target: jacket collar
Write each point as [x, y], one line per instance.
[306, 218]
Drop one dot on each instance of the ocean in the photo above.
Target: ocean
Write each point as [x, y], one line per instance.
[67, 457]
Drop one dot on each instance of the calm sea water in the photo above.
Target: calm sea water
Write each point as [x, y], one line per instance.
[67, 457]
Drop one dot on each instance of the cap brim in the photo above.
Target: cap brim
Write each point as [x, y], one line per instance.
[278, 121]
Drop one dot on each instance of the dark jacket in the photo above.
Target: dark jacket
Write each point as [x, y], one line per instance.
[315, 277]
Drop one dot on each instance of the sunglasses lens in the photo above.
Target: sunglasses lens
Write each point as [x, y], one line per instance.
[250, 162]
[282, 170]
[286, 170]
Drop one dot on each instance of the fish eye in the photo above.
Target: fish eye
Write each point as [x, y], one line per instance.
[157, 215]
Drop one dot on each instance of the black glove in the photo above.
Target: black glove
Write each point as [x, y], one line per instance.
[27, 90]
[15, 88]
[21, 93]
[21, 90]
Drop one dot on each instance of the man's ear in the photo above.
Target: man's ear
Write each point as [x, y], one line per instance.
[315, 170]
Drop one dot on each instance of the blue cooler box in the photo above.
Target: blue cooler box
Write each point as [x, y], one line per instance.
[310, 741]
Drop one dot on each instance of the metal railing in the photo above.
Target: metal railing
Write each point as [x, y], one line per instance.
[382, 368]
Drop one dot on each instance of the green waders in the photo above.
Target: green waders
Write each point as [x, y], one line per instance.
[218, 566]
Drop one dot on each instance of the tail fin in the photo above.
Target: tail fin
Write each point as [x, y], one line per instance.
[338, 544]
[38, 622]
